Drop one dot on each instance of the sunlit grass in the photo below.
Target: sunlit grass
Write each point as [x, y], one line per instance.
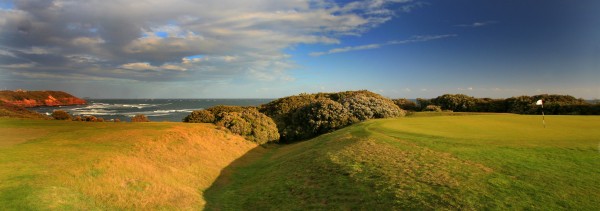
[79, 165]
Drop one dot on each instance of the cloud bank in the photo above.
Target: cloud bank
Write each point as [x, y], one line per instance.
[177, 40]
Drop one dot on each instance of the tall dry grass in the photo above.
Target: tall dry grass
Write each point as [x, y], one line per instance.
[166, 172]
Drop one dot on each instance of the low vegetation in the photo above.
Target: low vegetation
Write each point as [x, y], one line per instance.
[136, 118]
[244, 121]
[61, 115]
[13, 111]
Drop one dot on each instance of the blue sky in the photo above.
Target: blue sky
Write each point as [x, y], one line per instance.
[269, 49]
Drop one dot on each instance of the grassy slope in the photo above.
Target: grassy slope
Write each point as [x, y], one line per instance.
[13, 111]
[432, 162]
[49, 165]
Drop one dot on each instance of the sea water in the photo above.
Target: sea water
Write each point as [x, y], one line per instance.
[157, 110]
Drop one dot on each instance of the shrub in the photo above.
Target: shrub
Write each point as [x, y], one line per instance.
[367, 107]
[139, 118]
[320, 117]
[455, 102]
[405, 104]
[78, 119]
[61, 115]
[307, 115]
[90, 118]
[200, 116]
[217, 110]
[235, 123]
[100, 119]
[117, 120]
[244, 121]
[433, 108]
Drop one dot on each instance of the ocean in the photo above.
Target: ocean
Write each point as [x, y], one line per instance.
[157, 110]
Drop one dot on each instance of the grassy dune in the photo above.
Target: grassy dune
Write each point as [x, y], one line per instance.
[50, 165]
[425, 162]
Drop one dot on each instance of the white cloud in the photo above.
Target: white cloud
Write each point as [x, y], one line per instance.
[374, 46]
[18, 66]
[235, 38]
[7, 53]
[139, 66]
[477, 24]
[147, 66]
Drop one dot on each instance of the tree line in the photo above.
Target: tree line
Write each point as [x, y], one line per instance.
[553, 104]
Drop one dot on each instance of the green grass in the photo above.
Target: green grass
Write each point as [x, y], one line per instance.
[425, 161]
[64, 165]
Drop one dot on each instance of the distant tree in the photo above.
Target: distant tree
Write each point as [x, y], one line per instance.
[78, 119]
[455, 102]
[117, 120]
[406, 104]
[423, 103]
[139, 118]
[61, 115]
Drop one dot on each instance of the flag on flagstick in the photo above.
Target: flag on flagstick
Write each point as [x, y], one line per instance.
[541, 102]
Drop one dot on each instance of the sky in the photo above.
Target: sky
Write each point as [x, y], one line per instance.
[276, 48]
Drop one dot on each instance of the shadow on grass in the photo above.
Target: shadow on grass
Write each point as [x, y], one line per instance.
[216, 195]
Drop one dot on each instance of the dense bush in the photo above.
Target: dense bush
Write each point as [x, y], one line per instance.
[364, 107]
[139, 118]
[455, 102]
[406, 104]
[423, 103]
[321, 116]
[244, 121]
[200, 116]
[553, 104]
[433, 108]
[307, 115]
[217, 110]
[61, 115]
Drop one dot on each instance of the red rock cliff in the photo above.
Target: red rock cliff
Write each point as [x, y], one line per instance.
[39, 98]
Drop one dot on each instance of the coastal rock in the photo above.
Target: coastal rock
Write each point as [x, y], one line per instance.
[39, 98]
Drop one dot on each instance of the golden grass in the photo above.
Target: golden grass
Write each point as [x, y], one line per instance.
[123, 166]
[167, 172]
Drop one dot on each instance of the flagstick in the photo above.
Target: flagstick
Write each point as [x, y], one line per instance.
[543, 119]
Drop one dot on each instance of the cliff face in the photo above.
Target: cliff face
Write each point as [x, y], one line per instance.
[39, 98]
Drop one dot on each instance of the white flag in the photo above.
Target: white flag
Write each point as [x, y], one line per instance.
[539, 102]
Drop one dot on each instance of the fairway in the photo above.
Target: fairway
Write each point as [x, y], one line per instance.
[498, 161]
